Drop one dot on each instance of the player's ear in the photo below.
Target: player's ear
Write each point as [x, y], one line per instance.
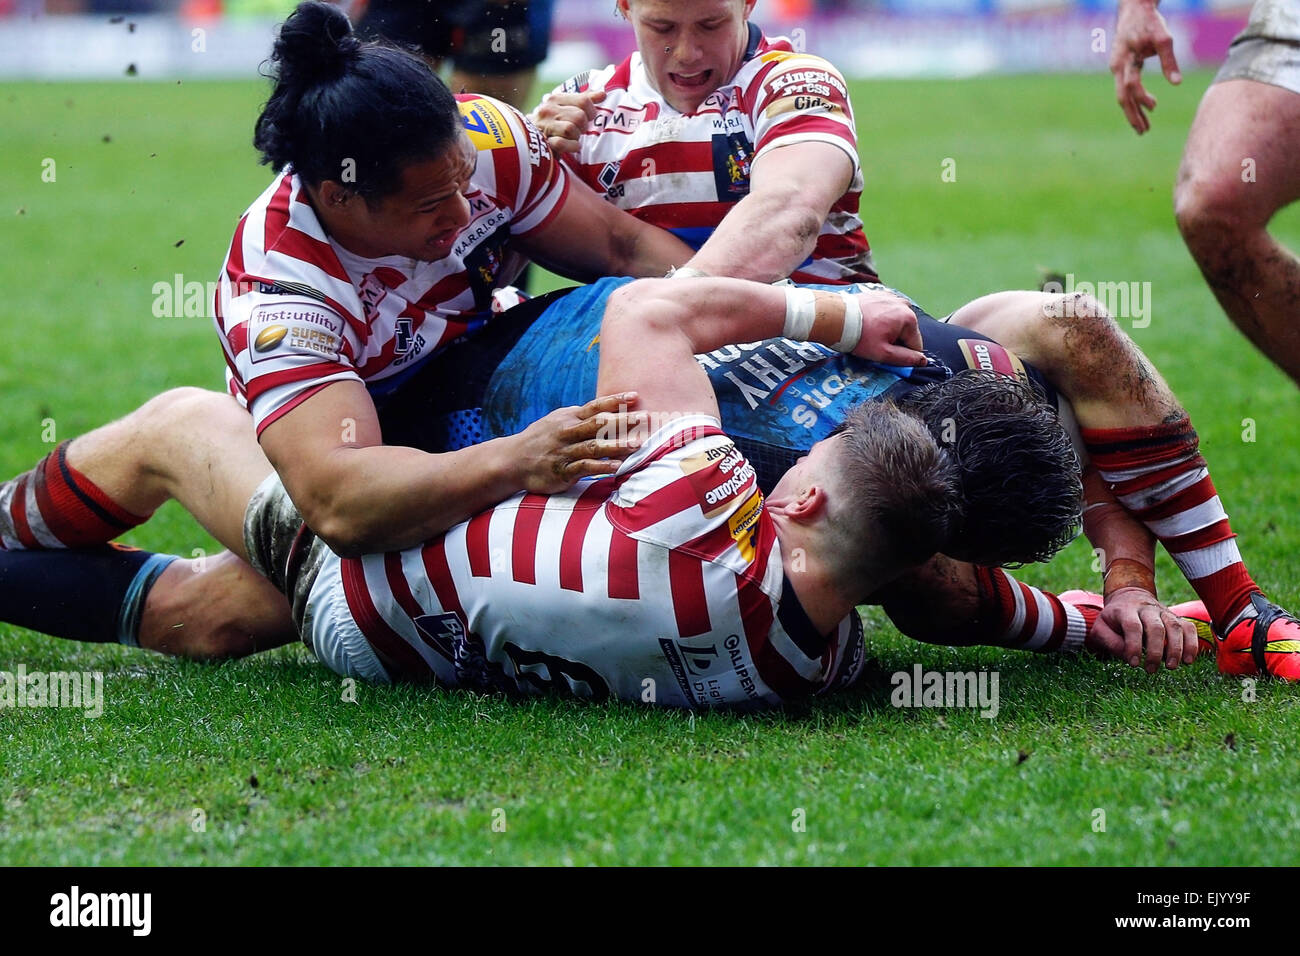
[808, 505]
[335, 194]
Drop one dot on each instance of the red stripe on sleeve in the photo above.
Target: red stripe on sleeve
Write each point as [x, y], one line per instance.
[690, 603]
[476, 545]
[523, 546]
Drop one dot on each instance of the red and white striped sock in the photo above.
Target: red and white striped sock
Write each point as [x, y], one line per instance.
[1022, 617]
[56, 506]
[1158, 474]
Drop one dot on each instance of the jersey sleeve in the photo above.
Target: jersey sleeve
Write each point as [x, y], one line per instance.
[527, 176]
[802, 98]
[688, 488]
[281, 349]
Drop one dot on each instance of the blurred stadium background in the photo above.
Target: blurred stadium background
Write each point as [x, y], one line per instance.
[74, 39]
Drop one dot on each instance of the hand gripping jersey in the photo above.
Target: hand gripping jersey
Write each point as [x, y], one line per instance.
[296, 311]
[662, 583]
[684, 172]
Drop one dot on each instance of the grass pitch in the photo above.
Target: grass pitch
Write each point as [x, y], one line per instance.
[262, 761]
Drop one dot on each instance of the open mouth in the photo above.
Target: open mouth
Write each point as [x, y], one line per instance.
[691, 81]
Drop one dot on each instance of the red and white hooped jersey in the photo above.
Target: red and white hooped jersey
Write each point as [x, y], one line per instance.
[683, 172]
[661, 583]
[296, 311]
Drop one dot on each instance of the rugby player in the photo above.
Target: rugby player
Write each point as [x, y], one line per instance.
[741, 145]
[673, 581]
[1114, 385]
[1240, 164]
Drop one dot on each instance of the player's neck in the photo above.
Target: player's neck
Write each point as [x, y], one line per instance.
[822, 601]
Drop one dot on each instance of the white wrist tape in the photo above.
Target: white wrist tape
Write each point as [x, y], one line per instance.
[800, 311]
[852, 324]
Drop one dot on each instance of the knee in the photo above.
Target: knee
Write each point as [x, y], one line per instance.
[181, 408]
[1212, 214]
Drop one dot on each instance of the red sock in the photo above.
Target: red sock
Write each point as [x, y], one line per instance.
[56, 506]
[1022, 617]
[1158, 474]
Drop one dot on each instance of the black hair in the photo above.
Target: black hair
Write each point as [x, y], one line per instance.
[1020, 478]
[349, 111]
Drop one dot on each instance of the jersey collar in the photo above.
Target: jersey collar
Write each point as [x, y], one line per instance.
[798, 625]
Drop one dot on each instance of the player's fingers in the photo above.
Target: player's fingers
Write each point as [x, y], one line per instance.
[1168, 64]
[559, 144]
[588, 468]
[910, 333]
[1105, 639]
[1132, 628]
[589, 102]
[1191, 641]
[1174, 638]
[902, 357]
[615, 402]
[1154, 629]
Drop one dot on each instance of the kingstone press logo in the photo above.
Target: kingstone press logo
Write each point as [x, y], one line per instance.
[82, 691]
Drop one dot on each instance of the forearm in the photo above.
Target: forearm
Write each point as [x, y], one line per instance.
[713, 312]
[1124, 546]
[385, 498]
[764, 237]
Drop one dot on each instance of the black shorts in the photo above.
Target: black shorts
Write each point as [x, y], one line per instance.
[478, 36]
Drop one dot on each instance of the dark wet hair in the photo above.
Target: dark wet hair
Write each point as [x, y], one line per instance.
[1020, 486]
[349, 111]
[900, 493]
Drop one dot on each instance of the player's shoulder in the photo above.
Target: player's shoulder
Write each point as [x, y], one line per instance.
[778, 68]
[489, 123]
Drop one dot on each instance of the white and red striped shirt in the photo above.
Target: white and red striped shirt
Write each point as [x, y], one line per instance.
[683, 172]
[296, 311]
[660, 583]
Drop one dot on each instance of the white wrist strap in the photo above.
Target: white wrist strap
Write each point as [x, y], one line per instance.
[800, 311]
[852, 324]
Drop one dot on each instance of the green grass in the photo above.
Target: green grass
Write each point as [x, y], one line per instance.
[285, 771]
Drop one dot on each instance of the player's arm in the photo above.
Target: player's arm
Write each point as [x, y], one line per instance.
[362, 496]
[589, 238]
[774, 228]
[653, 328]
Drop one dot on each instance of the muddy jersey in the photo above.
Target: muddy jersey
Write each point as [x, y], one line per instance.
[684, 172]
[296, 311]
[662, 583]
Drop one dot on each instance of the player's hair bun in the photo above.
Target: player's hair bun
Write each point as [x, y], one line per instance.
[315, 45]
[350, 111]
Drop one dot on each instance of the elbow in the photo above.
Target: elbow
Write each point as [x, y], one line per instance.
[345, 537]
[336, 521]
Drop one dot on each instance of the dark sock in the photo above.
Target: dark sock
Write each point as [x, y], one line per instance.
[82, 594]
